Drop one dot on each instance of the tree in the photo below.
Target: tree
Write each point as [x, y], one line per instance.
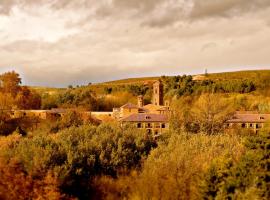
[27, 99]
[10, 82]
[210, 112]
[245, 178]
[14, 96]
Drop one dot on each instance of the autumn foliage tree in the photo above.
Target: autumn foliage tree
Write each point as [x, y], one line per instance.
[10, 83]
[15, 96]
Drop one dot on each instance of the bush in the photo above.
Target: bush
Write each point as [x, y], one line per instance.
[78, 154]
[248, 178]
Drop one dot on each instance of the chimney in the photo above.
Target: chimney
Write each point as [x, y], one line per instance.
[140, 101]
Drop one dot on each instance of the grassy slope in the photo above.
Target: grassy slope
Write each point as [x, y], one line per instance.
[251, 75]
[131, 81]
[99, 87]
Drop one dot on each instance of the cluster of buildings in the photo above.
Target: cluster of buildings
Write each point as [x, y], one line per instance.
[154, 117]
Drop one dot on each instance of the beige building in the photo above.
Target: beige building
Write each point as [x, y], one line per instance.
[154, 118]
[157, 93]
[248, 120]
[154, 124]
[156, 107]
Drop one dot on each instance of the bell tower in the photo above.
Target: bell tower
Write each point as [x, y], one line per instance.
[157, 93]
[140, 101]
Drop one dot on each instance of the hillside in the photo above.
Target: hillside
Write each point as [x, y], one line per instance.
[253, 75]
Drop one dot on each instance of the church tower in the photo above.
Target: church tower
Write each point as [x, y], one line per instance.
[157, 93]
[140, 101]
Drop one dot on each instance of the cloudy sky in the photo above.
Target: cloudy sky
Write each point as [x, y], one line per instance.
[62, 42]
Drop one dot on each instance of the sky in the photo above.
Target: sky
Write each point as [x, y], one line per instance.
[58, 43]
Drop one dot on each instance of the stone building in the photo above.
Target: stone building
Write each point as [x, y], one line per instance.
[154, 118]
[248, 120]
[154, 124]
[157, 93]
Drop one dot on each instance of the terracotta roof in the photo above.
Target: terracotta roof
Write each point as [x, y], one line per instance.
[164, 109]
[249, 118]
[145, 118]
[57, 111]
[129, 106]
[152, 107]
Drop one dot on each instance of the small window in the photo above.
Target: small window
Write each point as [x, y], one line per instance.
[258, 126]
[243, 125]
[147, 117]
[251, 125]
[139, 125]
[261, 118]
[163, 126]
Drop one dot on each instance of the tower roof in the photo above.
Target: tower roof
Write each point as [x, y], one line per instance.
[158, 82]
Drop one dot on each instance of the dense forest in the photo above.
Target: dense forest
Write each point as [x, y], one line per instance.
[73, 158]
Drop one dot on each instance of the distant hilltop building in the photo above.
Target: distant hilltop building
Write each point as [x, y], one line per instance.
[198, 77]
[154, 118]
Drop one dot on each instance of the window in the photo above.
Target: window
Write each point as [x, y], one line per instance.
[147, 117]
[139, 125]
[258, 126]
[243, 125]
[261, 117]
[250, 125]
[149, 125]
[163, 126]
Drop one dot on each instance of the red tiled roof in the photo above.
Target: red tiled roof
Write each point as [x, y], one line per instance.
[145, 118]
[249, 117]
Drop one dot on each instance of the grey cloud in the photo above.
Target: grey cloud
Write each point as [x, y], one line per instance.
[190, 10]
[211, 8]
[152, 13]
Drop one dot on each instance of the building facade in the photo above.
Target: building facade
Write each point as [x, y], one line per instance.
[154, 118]
[154, 124]
[248, 120]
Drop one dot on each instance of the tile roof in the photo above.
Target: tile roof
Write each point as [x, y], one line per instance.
[249, 117]
[146, 118]
[152, 107]
[129, 106]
